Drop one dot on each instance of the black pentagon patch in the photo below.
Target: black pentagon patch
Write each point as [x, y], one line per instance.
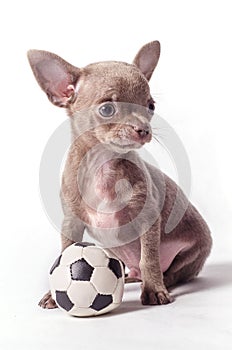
[63, 300]
[55, 265]
[81, 270]
[115, 266]
[101, 301]
[84, 244]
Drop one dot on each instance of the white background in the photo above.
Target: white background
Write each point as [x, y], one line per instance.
[192, 88]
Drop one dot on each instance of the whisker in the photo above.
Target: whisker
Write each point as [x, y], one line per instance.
[157, 128]
[157, 97]
[155, 137]
[157, 133]
[157, 93]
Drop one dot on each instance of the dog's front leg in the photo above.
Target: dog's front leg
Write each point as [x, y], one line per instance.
[154, 291]
[72, 231]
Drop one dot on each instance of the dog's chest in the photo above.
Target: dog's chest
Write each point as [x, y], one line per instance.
[108, 195]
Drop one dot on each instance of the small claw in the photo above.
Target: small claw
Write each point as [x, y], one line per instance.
[47, 302]
[156, 298]
[51, 304]
[149, 298]
[164, 298]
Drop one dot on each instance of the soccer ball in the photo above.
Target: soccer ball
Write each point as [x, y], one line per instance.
[87, 280]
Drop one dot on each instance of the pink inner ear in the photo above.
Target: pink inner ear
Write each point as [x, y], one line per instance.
[56, 79]
[64, 90]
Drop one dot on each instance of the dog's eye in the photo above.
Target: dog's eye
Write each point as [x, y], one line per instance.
[151, 108]
[107, 110]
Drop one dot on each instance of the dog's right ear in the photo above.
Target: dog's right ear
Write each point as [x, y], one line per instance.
[147, 58]
[55, 76]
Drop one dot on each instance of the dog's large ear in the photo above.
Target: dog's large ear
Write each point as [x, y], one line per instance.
[147, 58]
[55, 76]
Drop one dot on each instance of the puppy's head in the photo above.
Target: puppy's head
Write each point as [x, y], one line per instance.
[112, 99]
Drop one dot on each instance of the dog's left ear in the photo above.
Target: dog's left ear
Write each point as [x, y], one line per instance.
[147, 58]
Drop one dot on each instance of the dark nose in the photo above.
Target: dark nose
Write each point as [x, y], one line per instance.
[142, 131]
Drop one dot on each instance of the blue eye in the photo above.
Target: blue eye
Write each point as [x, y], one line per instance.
[107, 110]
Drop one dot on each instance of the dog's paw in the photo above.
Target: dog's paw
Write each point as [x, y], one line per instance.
[149, 297]
[47, 302]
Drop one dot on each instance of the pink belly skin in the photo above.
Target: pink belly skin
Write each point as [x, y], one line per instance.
[130, 255]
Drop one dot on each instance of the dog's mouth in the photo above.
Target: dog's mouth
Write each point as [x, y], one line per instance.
[126, 145]
[130, 140]
[126, 138]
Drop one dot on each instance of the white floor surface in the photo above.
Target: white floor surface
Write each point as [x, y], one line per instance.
[200, 318]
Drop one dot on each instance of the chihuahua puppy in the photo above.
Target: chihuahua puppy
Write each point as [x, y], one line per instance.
[125, 204]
